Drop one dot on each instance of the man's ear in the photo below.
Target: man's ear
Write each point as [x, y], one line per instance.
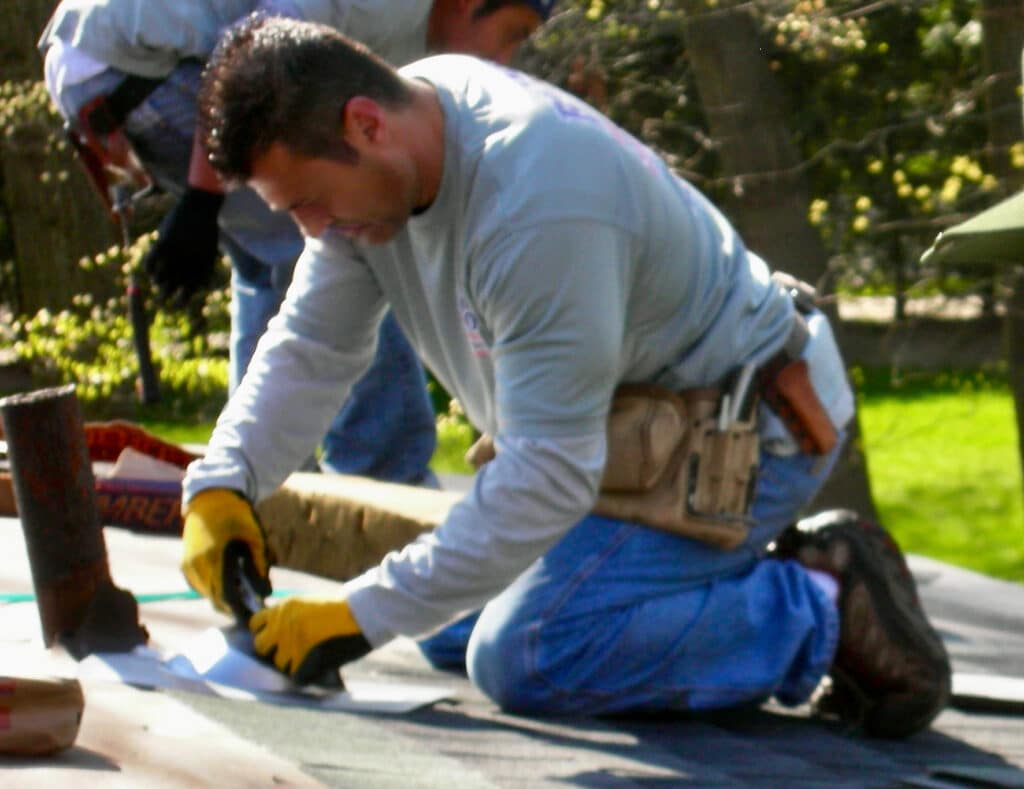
[363, 122]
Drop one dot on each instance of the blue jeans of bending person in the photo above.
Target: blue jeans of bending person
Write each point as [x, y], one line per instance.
[622, 617]
[386, 429]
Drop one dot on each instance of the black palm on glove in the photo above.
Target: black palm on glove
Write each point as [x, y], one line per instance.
[308, 636]
[184, 257]
[220, 530]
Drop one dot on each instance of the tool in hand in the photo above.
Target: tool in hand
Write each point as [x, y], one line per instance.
[240, 573]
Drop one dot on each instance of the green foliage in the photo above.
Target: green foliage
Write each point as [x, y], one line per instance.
[899, 155]
[27, 118]
[30, 124]
[454, 437]
[886, 102]
[25, 110]
[628, 59]
[91, 345]
[89, 342]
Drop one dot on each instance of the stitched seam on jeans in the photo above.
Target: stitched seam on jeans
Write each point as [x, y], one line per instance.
[533, 632]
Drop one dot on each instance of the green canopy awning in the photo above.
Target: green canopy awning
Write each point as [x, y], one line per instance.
[993, 236]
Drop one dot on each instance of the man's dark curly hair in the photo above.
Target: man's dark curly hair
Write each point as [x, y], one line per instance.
[282, 80]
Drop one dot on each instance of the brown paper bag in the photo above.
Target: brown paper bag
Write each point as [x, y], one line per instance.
[39, 716]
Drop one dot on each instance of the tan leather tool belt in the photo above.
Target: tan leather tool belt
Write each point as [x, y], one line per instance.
[687, 462]
[681, 462]
[675, 462]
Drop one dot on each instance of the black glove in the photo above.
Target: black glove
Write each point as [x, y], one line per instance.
[184, 257]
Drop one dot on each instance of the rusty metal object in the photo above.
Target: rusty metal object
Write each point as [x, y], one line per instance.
[55, 493]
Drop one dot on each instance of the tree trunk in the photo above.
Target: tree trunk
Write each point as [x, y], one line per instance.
[1002, 39]
[1015, 352]
[1002, 42]
[747, 117]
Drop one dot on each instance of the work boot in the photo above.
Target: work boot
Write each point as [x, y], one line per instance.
[891, 673]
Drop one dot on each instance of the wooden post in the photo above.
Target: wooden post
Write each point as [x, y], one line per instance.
[55, 494]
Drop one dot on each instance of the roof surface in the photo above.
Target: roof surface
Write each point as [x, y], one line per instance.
[467, 742]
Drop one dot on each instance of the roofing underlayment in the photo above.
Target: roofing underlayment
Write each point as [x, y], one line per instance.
[175, 737]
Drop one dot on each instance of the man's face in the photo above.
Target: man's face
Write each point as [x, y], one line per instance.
[369, 200]
[495, 36]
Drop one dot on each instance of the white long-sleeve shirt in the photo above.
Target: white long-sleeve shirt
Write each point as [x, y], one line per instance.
[559, 259]
[150, 37]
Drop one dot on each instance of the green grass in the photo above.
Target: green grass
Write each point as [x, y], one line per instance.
[181, 433]
[942, 457]
[945, 470]
[454, 437]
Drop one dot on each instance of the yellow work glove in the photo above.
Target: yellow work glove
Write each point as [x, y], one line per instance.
[221, 528]
[305, 636]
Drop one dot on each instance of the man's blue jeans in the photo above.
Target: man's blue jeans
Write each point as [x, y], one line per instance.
[619, 616]
[386, 429]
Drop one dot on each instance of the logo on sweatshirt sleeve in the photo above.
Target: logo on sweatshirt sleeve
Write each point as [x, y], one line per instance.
[471, 325]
